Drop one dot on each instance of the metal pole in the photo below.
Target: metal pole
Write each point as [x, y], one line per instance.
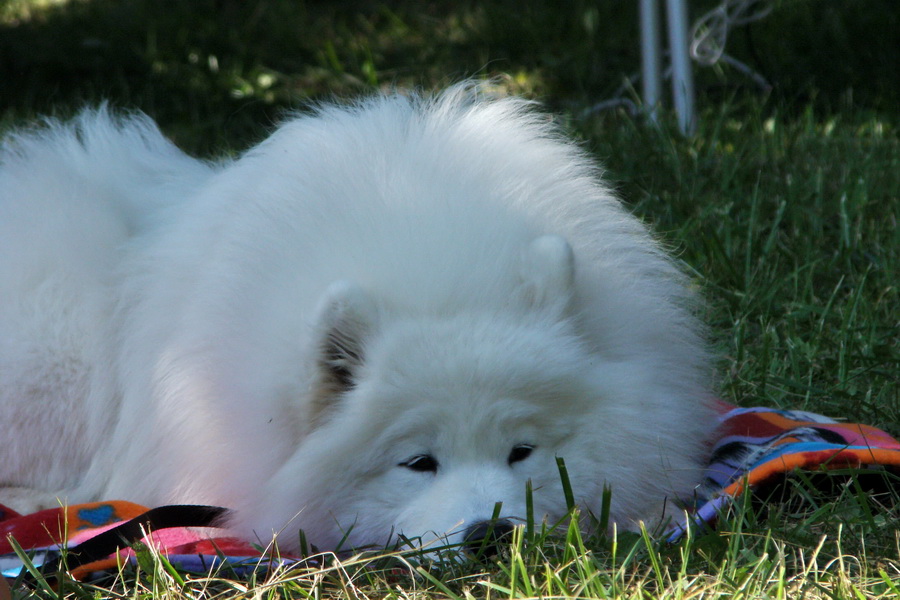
[650, 69]
[682, 76]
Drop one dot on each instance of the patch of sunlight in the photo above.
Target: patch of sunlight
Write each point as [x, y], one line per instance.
[14, 11]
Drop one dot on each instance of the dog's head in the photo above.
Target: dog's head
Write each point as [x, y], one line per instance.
[430, 425]
[427, 426]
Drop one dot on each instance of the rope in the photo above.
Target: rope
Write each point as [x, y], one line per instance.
[710, 32]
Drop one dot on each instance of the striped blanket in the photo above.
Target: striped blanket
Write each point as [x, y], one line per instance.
[756, 446]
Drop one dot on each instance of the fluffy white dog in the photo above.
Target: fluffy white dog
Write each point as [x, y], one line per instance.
[384, 319]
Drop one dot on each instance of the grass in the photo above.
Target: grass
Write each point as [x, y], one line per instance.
[784, 207]
[790, 224]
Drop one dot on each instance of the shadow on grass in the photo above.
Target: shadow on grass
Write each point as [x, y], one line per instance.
[222, 67]
[213, 71]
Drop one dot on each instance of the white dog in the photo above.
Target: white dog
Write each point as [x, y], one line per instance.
[384, 319]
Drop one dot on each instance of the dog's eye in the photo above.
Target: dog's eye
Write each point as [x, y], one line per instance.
[423, 463]
[519, 453]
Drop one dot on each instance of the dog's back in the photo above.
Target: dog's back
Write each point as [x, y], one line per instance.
[71, 197]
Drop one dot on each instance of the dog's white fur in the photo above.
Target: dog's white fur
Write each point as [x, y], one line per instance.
[280, 334]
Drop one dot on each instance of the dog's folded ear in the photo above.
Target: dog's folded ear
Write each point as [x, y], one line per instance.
[548, 274]
[346, 318]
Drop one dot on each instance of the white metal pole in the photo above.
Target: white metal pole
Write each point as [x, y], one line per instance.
[650, 69]
[682, 76]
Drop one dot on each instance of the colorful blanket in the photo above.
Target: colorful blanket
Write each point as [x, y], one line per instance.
[757, 446]
[91, 533]
[753, 446]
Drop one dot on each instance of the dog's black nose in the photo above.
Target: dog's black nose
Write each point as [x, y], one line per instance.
[485, 537]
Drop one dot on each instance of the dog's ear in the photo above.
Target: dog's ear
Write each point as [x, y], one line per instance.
[346, 319]
[548, 274]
